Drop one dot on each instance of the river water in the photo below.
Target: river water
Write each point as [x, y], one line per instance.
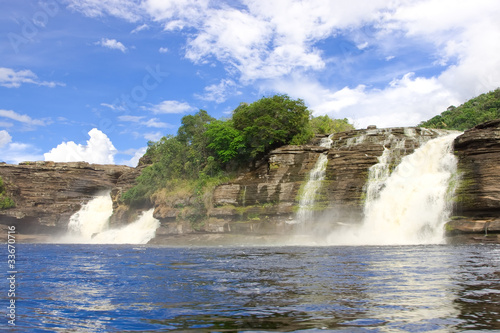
[140, 288]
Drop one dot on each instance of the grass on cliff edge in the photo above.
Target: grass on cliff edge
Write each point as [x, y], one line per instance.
[5, 201]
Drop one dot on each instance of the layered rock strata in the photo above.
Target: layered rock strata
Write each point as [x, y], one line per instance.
[46, 194]
[477, 201]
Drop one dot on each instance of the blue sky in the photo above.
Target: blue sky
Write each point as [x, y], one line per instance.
[95, 80]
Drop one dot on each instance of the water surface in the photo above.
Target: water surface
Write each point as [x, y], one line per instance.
[131, 288]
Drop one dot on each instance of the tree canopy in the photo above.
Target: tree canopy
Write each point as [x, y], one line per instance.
[477, 110]
[207, 147]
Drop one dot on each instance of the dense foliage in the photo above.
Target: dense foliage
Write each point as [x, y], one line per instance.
[473, 112]
[206, 151]
[326, 125]
[5, 201]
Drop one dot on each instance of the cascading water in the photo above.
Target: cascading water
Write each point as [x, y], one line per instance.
[93, 217]
[316, 176]
[91, 225]
[414, 202]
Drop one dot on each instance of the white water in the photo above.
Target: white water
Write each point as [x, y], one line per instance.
[414, 202]
[316, 176]
[90, 225]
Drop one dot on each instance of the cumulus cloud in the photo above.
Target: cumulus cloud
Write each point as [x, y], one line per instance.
[14, 79]
[136, 155]
[163, 50]
[170, 107]
[5, 138]
[112, 44]
[98, 149]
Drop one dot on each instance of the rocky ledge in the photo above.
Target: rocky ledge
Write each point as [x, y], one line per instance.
[47, 193]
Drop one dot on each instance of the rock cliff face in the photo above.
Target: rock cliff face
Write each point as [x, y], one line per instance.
[478, 195]
[47, 193]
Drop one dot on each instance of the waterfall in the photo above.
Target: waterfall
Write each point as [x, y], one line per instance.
[316, 176]
[90, 225]
[413, 202]
[93, 217]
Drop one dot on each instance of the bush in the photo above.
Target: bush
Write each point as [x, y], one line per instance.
[5, 201]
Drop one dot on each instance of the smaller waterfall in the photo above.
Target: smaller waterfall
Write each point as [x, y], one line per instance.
[90, 225]
[413, 202]
[316, 176]
[93, 217]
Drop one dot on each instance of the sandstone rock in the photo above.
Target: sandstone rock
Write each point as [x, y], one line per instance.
[47, 193]
[478, 152]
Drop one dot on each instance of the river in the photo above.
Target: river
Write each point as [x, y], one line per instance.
[144, 288]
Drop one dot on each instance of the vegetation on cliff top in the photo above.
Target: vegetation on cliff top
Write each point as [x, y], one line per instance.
[5, 201]
[478, 110]
[206, 151]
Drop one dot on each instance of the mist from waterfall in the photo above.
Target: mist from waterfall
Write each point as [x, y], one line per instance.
[90, 225]
[409, 206]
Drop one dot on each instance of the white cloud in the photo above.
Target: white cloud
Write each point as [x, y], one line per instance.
[140, 28]
[16, 152]
[113, 107]
[99, 149]
[5, 138]
[126, 9]
[134, 119]
[137, 154]
[170, 107]
[25, 119]
[112, 44]
[283, 46]
[11, 79]
[218, 92]
[163, 50]
[156, 123]
[153, 136]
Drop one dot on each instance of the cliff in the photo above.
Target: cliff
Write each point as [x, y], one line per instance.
[46, 194]
[264, 200]
[477, 201]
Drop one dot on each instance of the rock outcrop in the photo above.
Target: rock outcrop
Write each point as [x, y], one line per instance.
[46, 194]
[477, 202]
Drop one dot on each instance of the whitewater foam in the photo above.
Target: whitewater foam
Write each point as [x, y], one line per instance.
[90, 225]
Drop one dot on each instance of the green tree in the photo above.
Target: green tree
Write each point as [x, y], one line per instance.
[224, 140]
[326, 125]
[271, 122]
[475, 111]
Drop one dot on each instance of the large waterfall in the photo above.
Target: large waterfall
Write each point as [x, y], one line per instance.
[91, 225]
[411, 205]
[316, 176]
